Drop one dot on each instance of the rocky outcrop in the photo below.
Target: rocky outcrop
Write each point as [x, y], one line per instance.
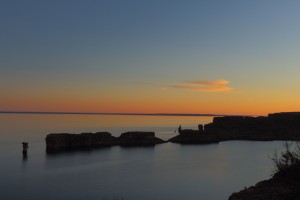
[139, 138]
[189, 136]
[283, 186]
[66, 141]
[277, 126]
[269, 189]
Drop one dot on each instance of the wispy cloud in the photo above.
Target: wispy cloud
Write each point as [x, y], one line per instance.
[208, 86]
[216, 86]
[220, 82]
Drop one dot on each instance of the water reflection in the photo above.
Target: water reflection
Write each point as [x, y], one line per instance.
[24, 161]
[94, 150]
[166, 171]
[25, 157]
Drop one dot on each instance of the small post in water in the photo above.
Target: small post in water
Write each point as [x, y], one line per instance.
[25, 147]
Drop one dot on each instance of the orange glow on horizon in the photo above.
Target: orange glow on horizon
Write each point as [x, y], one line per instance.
[152, 100]
[149, 106]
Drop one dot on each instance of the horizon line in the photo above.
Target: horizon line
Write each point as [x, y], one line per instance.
[119, 113]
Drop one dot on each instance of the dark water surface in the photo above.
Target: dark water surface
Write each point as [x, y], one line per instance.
[166, 171]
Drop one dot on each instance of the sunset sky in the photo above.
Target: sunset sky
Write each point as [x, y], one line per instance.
[150, 56]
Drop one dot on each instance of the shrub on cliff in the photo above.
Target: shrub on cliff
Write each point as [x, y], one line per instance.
[287, 165]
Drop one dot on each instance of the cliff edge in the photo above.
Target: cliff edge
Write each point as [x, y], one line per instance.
[285, 183]
[277, 126]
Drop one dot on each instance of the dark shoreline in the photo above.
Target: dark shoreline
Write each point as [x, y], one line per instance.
[275, 188]
[284, 183]
[277, 126]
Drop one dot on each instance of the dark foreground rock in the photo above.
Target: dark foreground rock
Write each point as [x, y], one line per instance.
[66, 141]
[270, 190]
[278, 126]
[280, 187]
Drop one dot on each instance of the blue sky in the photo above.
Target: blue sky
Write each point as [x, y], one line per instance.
[113, 44]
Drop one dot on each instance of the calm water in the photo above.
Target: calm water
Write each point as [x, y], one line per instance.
[167, 171]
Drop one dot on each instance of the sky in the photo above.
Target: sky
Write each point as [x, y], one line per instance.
[150, 56]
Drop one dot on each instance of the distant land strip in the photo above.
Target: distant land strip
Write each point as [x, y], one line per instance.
[111, 113]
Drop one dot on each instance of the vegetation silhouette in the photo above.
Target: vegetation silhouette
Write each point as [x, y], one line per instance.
[287, 164]
[285, 181]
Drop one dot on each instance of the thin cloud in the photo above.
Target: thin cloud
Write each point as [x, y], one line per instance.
[216, 86]
[217, 83]
[214, 89]
[205, 86]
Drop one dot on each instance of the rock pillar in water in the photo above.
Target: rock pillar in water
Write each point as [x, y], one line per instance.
[25, 147]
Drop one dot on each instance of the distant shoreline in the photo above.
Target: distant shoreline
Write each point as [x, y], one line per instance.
[111, 113]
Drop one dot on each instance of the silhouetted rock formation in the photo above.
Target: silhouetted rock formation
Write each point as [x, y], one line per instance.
[201, 128]
[139, 138]
[282, 186]
[278, 126]
[273, 189]
[24, 151]
[179, 129]
[66, 141]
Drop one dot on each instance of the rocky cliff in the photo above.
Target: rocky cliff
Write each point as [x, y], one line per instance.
[273, 189]
[277, 126]
[284, 185]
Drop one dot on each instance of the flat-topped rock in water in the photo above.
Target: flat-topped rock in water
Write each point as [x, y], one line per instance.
[64, 141]
[139, 138]
[277, 126]
[67, 141]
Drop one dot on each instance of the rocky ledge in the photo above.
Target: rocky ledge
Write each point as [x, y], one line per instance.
[282, 186]
[277, 126]
[66, 141]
